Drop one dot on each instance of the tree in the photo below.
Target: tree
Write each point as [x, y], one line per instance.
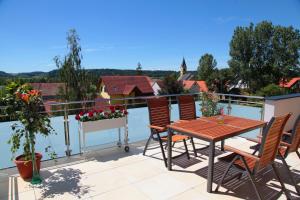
[271, 90]
[224, 78]
[264, 54]
[171, 85]
[207, 70]
[77, 80]
[139, 69]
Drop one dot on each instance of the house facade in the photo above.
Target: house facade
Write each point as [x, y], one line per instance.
[114, 87]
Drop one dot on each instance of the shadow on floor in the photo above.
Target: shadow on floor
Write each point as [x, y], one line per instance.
[62, 181]
[242, 187]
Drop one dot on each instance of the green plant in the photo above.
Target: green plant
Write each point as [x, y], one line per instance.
[271, 90]
[26, 105]
[209, 105]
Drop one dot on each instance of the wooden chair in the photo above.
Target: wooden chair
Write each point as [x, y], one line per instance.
[252, 164]
[187, 111]
[289, 143]
[159, 116]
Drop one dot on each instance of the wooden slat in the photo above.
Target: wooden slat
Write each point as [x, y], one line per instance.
[208, 127]
[187, 110]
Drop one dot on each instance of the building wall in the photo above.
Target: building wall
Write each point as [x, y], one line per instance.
[156, 88]
[283, 106]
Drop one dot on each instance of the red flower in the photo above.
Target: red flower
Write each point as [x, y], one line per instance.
[125, 112]
[25, 97]
[100, 111]
[90, 114]
[81, 113]
[112, 108]
[77, 117]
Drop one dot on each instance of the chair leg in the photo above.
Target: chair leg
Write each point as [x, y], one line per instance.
[162, 149]
[252, 179]
[298, 154]
[225, 173]
[167, 145]
[289, 173]
[288, 196]
[147, 143]
[194, 148]
[186, 149]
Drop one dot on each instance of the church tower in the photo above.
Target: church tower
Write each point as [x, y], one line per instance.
[183, 68]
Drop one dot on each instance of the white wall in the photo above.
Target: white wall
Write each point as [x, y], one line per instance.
[283, 105]
[156, 88]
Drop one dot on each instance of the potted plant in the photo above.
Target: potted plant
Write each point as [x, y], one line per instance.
[98, 120]
[25, 105]
[209, 105]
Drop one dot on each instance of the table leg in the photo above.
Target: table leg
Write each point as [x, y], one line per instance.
[169, 150]
[210, 175]
[222, 145]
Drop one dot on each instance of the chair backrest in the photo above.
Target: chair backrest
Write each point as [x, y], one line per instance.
[159, 113]
[295, 140]
[187, 109]
[270, 140]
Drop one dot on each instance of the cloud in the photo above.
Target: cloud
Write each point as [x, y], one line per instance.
[228, 19]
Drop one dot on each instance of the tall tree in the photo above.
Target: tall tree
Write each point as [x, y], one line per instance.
[77, 80]
[207, 69]
[264, 54]
[171, 85]
[139, 69]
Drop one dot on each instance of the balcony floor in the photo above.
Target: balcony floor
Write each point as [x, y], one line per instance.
[113, 174]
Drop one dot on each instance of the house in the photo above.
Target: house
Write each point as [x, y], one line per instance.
[50, 94]
[184, 75]
[50, 91]
[112, 87]
[156, 85]
[195, 86]
[293, 84]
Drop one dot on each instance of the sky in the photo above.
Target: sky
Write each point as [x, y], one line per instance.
[120, 33]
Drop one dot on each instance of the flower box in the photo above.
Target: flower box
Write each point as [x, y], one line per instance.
[99, 125]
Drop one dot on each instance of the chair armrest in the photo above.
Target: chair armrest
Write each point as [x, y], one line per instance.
[285, 144]
[287, 133]
[157, 127]
[240, 152]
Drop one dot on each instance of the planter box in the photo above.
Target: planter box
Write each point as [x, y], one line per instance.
[93, 126]
[101, 125]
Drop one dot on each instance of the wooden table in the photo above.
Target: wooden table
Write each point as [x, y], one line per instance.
[211, 130]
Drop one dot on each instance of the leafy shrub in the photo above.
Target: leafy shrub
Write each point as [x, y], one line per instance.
[271, 90]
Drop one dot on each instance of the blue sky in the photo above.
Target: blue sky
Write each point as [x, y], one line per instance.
[121, 33]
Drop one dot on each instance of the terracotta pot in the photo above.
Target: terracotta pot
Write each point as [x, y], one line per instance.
[25, 167]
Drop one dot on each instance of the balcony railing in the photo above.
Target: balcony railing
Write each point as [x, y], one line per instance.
[66, 140]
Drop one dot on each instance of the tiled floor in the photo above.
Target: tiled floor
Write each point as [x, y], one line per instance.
[114, 174]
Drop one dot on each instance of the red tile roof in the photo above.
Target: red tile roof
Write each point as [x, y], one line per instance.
[289, 84]
[124, 85]
[48, 89]
[203, 86]
[189, 84]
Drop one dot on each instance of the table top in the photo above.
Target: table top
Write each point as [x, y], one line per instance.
[211, 129]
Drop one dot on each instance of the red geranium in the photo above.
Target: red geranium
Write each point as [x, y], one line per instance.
[125, 112]
[77, 117]
[100, 111]
[91, 114]
[81, 113]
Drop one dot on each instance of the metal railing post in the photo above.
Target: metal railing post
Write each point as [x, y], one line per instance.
[229, 108]
[170, 106]
[262, 113]
[66, 130]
